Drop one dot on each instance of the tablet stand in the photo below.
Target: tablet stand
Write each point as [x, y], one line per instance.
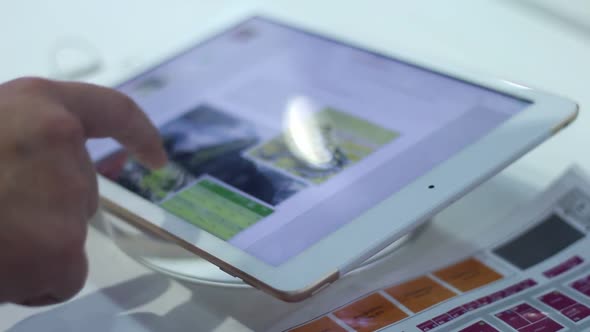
[167, 257]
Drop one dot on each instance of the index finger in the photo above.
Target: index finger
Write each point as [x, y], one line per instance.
[105, 112]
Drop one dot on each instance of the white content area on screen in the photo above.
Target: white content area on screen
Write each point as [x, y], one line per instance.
[254, 70]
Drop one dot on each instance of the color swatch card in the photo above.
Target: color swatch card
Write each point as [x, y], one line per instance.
[535, 277]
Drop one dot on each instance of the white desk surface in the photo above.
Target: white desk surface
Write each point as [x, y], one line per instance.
[523, 41]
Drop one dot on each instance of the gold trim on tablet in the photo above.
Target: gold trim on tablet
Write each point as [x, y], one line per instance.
[566, 122]
[143, 224]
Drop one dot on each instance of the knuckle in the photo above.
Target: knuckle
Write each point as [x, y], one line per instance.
[127, 110]
[70, 244]
[77, 272]
[127, 103]
[33, 84]
[59, 267]
[68, 279]
[60, 127]
[73, 244]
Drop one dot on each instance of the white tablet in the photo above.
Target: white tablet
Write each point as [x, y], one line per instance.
[296, 156]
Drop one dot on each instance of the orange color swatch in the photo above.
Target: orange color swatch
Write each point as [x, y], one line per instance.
[420, 293]
[370, 313]
[468, 274]
[324, 324]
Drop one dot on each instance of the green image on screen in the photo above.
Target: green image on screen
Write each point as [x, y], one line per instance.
[356, 138]
[216, 209]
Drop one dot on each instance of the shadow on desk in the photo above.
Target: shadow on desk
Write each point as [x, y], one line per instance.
[115, 309]
[99, 311]
[123, 307]
[119, 308]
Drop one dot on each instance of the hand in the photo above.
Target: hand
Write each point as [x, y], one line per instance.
[48, 187]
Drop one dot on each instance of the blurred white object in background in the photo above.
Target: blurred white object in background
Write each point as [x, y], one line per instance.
[74, 58]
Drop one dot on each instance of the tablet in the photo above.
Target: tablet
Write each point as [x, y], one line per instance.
[295, 156]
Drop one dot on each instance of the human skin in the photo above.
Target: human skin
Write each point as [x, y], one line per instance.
[48, 185]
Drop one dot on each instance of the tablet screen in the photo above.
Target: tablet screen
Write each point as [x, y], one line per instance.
[278, 137]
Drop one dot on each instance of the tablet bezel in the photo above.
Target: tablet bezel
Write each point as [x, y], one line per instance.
[364, 236]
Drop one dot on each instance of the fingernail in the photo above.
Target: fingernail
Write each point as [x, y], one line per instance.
[153, 158]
